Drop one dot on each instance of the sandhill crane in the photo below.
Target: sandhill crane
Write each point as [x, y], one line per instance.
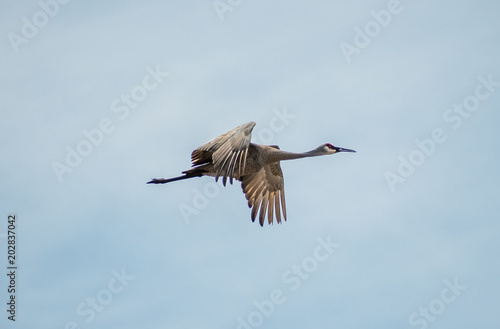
[233, 156]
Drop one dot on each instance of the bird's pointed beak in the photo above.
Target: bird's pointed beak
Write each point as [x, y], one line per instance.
[340, 149]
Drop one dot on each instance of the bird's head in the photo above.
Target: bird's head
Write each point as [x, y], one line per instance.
[330, 149]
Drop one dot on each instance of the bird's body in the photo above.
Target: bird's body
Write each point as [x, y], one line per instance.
[233, 156]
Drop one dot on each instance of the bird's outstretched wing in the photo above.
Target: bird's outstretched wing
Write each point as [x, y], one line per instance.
[228, 152]
[265, 190]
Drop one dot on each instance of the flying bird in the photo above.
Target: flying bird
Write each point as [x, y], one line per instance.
[232, 156]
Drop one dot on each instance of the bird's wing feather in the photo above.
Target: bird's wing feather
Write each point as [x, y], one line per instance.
[265, 190]
[228, 152]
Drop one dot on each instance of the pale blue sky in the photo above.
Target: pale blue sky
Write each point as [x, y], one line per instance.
[98, 248]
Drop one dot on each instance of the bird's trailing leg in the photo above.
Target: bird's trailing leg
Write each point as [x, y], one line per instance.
[168, 180]
[159, 181]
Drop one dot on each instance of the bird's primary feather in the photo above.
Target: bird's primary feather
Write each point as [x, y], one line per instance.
[228, 152]
[264, 189]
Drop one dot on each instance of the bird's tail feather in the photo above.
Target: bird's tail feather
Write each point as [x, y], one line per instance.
[185, 176]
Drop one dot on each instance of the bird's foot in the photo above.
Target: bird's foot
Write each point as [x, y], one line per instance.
[157, 181]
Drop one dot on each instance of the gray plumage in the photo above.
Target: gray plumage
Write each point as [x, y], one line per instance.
[233, 156]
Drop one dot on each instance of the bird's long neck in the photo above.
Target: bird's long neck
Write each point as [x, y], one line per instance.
[278, 155]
